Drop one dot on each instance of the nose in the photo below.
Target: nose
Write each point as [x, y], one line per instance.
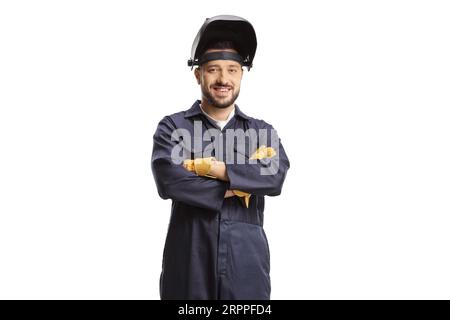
[221, 79]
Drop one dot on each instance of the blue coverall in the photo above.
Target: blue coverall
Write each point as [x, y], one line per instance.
[216, 247]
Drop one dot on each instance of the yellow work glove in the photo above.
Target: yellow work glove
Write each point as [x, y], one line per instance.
[244, 196]
[189, 165]
[263, 152]
[201, 166]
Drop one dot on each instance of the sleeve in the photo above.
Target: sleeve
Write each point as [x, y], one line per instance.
[174, 181]
[260, 177]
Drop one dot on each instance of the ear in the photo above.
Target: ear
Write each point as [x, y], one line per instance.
[197, 74]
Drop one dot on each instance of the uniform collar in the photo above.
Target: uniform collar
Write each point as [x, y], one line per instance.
[195, 110]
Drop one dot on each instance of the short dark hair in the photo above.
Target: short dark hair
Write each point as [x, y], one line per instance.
[221, 44]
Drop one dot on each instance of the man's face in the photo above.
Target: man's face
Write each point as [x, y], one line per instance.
[220, 80]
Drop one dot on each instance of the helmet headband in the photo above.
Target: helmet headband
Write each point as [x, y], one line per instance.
[220, 55]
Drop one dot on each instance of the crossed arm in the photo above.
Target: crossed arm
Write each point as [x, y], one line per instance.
[212, 168]
[219, 170]
[176, 182]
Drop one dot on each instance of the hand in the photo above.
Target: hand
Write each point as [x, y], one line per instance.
[245, 196]
[200, 166]
[219, 170]
[210, 167]
[263, 152]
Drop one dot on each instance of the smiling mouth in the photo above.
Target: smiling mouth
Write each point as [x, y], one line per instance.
[221, 90]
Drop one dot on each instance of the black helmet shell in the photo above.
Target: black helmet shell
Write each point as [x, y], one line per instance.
[225, 27]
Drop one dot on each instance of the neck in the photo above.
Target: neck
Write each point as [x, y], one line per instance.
[220, 114]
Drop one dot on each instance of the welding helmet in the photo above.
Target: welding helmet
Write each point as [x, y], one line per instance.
[224, 28]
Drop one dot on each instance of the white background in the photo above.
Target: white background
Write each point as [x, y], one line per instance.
[359, 94]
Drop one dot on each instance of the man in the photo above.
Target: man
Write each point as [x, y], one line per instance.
[217, 164]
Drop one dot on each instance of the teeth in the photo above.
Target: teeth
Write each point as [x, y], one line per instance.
[222, 89]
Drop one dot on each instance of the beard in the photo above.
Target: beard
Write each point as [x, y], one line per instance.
[223, 103]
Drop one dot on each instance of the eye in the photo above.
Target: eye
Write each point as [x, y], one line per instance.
[212, 69]
[233, 70]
